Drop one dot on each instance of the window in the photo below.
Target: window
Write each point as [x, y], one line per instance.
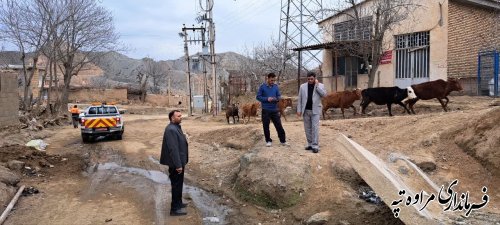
[103, 110]
[412, 55]
[353, 30]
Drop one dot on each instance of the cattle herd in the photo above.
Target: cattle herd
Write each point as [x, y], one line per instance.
[406, 98]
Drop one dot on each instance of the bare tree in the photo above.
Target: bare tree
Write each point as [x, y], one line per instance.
[266, 58]
[23, 23]
[87, 34]
[377, 17]
[269, 56]
[159, 75]
[150, 69]
[71, 33]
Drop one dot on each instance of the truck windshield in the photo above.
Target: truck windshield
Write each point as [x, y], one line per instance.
[103, 110]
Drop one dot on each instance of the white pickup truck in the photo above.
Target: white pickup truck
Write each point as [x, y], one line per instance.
[101, 120]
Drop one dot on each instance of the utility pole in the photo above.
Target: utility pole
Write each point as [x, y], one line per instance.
[207, 15]
[205, 86]
[211, 32]
[186, 52]
[188, 70]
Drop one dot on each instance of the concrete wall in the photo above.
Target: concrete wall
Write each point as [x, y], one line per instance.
[425, 18]
[337, 83]
[9, 99]
[480, 35]
[98, 95]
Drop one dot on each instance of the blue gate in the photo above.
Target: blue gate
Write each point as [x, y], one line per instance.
[487, 73]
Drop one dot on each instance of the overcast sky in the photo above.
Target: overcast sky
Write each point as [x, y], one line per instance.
[150, 27]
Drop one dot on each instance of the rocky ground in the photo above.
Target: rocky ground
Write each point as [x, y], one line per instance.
[233, 178]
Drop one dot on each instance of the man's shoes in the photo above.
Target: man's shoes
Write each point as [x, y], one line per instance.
[268, 144]
[315, 150]
[184, 205]
[179, 212]
[308, 148]
[285, 144]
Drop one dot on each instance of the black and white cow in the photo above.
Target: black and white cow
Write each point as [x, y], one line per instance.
[386, 96]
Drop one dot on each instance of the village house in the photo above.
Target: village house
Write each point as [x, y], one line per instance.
[439, 40]
[10, 60]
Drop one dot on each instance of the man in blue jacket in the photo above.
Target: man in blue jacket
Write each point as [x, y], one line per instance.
[174, 153]
[269, 96]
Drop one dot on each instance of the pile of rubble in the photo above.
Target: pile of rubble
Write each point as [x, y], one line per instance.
[37, 121]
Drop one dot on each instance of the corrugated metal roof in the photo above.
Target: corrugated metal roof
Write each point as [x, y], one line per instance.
[340, 45]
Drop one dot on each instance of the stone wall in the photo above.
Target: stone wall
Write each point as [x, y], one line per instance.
[9, 99]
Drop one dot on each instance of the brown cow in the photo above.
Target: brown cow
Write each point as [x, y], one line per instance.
[341, 99]
[438, 89]
[249, 110]
[283, 104]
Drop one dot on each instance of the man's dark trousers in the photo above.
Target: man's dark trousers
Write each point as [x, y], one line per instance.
[267, 117]
[177, 181]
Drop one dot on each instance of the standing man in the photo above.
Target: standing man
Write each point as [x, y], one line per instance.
[269, 95]
[174, 153]
[75, 114]
[309, 106]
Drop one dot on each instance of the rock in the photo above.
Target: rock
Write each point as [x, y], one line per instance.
[319, 218]
[211, 219]
[427, 166]
[6, 193]
[30, 191]
[15, 165]
[43, 163]
[270, 181]
[343, 222]
[8, 177]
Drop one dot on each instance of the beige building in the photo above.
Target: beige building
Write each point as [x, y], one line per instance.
[82, 79]
[439, 39]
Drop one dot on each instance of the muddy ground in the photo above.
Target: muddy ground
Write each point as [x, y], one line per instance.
[120, 182]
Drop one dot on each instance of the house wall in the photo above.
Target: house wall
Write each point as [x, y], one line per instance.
[432, 17]
[9, 99]
[427, 17]
[482, 34]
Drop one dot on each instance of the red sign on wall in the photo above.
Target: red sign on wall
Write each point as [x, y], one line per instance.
[386, 57]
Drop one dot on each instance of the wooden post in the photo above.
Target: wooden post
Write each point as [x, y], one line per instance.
[11, 205]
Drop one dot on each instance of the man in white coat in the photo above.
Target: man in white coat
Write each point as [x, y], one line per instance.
[309, 107]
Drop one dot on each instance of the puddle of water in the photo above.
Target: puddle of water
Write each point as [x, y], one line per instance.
[206, 203]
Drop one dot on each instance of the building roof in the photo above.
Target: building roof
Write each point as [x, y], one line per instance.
[10, 58]
[489, 4]
[339, 45]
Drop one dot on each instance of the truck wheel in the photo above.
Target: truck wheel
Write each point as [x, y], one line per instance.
[119, 136]
[85, 138]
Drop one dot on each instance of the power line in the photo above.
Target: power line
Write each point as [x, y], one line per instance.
[298, 28]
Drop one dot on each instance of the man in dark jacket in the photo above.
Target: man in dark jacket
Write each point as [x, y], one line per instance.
[174, 153]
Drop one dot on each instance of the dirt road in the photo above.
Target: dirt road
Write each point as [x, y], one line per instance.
[120, 182]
